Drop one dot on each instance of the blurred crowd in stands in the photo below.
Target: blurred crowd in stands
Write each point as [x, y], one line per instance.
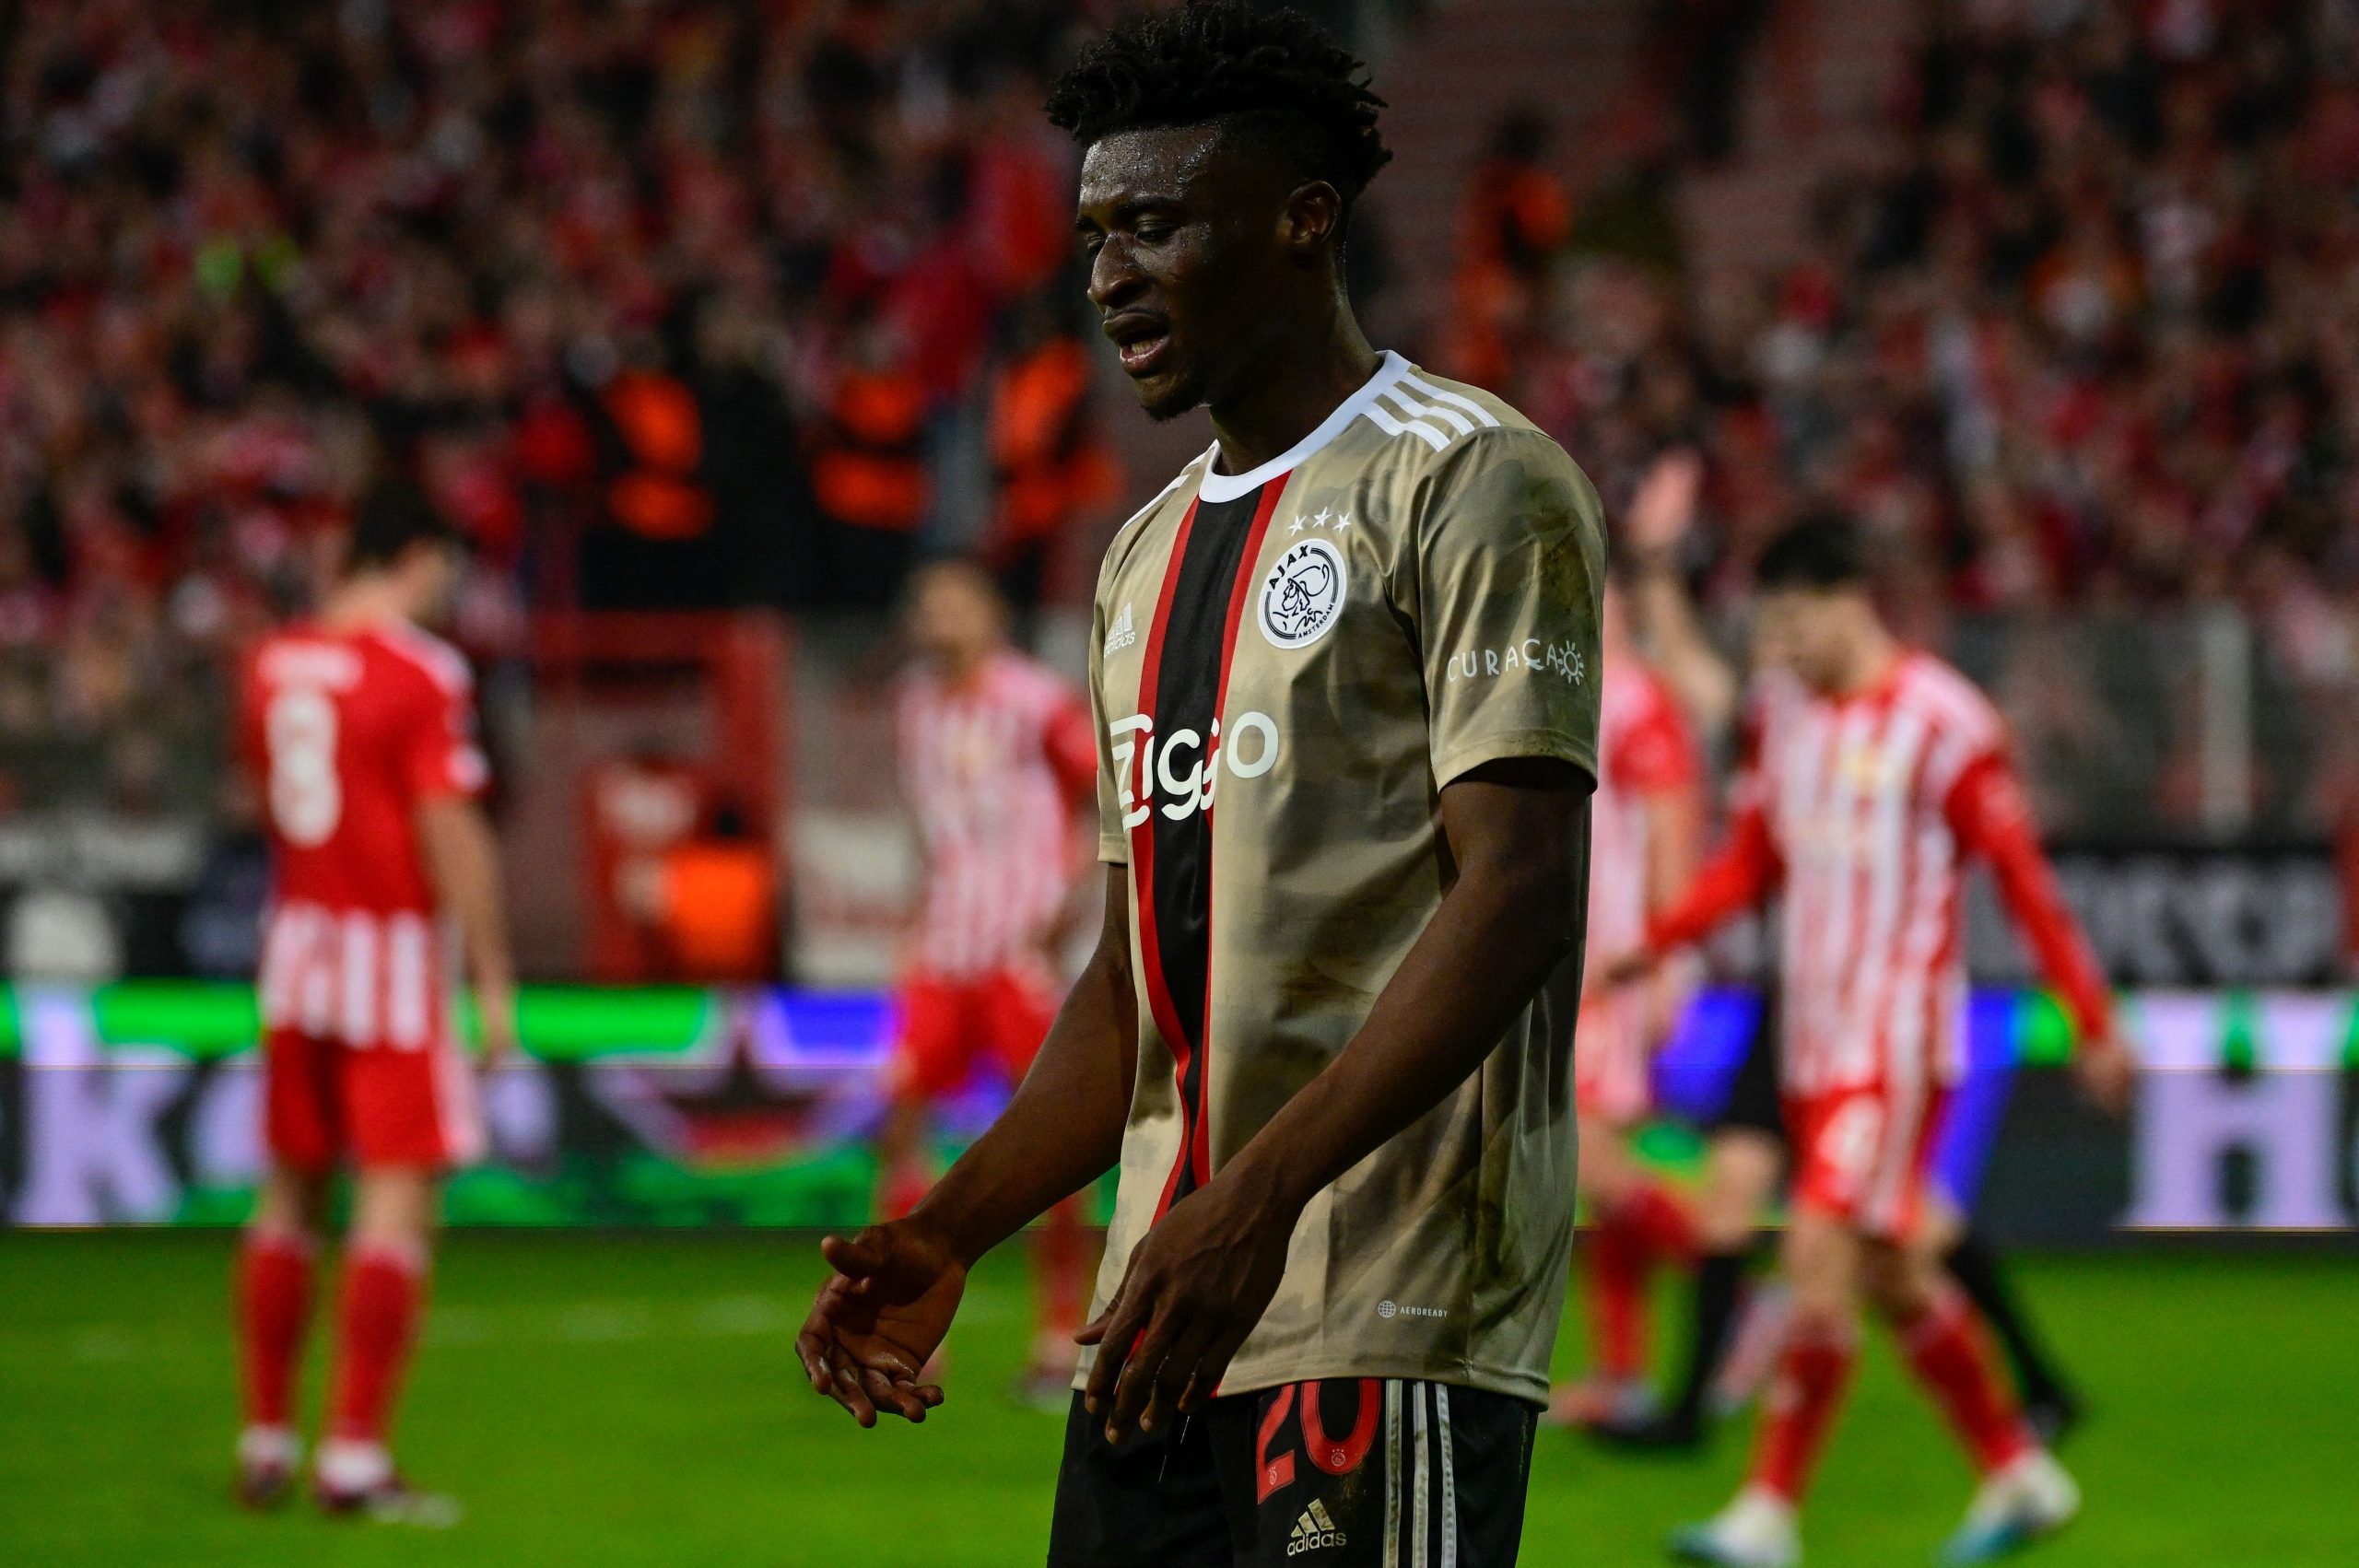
[672, 305]
[2080, 330]
[749, 304]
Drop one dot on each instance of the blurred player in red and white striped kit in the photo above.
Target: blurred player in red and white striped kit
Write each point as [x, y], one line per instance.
[1872, 773]
[997, 758]
[359, 729]
[1646, 826]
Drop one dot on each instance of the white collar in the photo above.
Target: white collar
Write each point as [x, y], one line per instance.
[1216, 486]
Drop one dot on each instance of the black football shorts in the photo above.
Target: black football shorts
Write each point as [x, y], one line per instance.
[1753, 1103]
[1366, 1472]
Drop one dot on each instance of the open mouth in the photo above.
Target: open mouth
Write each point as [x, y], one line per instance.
[1141, 342]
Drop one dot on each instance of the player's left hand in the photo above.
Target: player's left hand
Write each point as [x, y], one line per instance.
[2108, 1072]
[1197, 1285]
[495, 1007]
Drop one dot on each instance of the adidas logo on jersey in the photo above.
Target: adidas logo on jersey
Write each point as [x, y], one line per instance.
[1314, 1531]
[1123, 633]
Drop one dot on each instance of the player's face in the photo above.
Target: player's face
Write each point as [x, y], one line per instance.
[1805, 632]
[955, 621]
[1185, 241]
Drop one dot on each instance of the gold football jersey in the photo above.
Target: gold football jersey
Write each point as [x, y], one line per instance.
[1288, 665]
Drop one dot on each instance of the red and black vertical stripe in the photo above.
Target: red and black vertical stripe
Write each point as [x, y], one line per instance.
[1207, 589]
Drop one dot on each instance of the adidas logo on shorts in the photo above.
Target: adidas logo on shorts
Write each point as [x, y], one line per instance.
[1314, 1530]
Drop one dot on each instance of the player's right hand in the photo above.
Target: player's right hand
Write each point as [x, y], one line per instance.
[2107, 1074]
[1663, 507]
[880, 1317]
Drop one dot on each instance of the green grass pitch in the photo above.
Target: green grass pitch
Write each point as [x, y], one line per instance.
[632, 1399]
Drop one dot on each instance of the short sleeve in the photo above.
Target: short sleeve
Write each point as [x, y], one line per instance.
[1114, 839]
[439, 753]
[1510, 575]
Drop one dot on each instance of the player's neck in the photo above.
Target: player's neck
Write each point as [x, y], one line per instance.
[1873, 657]
[362, 602]
[963, 672]
[1299, 382]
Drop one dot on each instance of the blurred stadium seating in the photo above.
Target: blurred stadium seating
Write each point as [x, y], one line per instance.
[715, 318]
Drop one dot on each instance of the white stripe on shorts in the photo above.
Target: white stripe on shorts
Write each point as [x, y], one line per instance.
[1391, 1472]
[1448, 1479]
[1417, 1490]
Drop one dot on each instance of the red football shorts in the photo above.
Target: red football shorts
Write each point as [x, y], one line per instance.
[1610, 1065]
[1864, 1156]
[378, 1105]
[947, 1024]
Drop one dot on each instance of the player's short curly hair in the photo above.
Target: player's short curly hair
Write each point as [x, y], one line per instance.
[1271, 75]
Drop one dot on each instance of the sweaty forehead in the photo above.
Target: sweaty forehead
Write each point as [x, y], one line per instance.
[1167, 163]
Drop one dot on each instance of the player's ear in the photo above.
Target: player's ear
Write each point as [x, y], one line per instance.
[1313, 217]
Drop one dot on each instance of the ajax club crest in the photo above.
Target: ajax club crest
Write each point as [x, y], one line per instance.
[1303, 594]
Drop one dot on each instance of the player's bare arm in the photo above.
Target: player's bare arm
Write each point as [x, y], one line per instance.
[463, 862]
[1203, 1277]
[1660, 516]
[1674, 817]
[895, 1287]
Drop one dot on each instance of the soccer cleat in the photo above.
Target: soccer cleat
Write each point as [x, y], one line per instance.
[2053, 1415]
[1665, 1432]
[357, 1480]
[2031, 1498]
[392, 1501]
[1756, 1530]
[267, 1459]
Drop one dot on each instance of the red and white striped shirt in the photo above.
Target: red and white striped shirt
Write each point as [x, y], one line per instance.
[1645, 751]
[1645, 754]
[1864, 809]
[347, 733]
[992, 770]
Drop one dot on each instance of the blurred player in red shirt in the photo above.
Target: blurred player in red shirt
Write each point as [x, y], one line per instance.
[1646, 821]
[1872, 772]
[359, 728]
[996, 753]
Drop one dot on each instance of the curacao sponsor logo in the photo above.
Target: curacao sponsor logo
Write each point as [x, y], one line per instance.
[1533, 655]
[1178, 773]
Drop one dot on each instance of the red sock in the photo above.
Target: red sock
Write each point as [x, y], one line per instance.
[384, 1289]
[273, 1310]
[1662, 1220]
[1617, 1293]
[1056, 1257]
[1798, 1411]
[1945, 1348]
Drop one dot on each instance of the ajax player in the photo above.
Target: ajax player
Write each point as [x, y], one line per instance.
[996, 754]
[1644, 824]
[358, 725]
[1343, 679]
[1872, 773]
